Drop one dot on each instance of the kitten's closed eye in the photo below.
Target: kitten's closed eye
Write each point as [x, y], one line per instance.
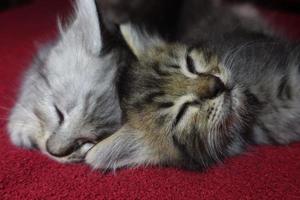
[60, 115]
[190, 64]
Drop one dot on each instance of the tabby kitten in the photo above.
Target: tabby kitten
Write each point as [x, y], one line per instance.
[68, 99]
[194, 106]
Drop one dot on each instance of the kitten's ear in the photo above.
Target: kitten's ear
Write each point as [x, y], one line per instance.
[84, 29]
[139, 40]
[125, 148]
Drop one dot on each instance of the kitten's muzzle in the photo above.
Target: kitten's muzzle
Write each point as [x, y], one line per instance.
[212, 87]
[62, 148]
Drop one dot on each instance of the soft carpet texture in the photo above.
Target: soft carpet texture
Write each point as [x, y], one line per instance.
[267, 172]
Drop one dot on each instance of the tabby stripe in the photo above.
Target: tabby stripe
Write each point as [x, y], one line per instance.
[183, 110]
[165, 105]
[267, 132]
[189, 161]
[284, 89]
[149, 98]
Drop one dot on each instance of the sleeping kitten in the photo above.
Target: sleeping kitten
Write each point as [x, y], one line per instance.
[68, 97]
[194, 106]
[186, 21]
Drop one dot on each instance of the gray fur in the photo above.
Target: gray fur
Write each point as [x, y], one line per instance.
[270, 71]
[68, 97]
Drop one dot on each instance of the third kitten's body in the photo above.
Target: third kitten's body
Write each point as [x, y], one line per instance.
[187, 21]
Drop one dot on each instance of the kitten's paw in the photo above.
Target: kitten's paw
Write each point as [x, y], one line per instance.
[80, 154]
[92, 155]
[76, 156]
[101, 156]
[124, 148]
[25, 134]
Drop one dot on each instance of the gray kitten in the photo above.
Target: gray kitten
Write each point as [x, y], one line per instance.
[194, 106]
[68, 97]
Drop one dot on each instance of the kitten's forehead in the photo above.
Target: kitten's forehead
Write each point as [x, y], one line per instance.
[167, 53]
[73, 76]
[74, 67]
[67, 57]
[77, 90]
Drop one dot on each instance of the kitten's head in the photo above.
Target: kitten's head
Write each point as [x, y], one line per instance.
[181, 107]
[70, 90]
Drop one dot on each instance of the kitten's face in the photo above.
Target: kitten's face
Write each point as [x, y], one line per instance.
[179, 84]
[82, 99]
[68, 100]
[68, 97]
[185, 94]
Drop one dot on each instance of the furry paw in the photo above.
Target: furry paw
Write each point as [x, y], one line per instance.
[124, 148]
[93, 157]
[26, 134]
[76, 156]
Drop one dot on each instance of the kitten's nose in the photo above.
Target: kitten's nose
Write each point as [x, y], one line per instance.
[210, 87]
[61, 148]
[216, 87]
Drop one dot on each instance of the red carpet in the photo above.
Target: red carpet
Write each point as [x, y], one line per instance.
[263, 173]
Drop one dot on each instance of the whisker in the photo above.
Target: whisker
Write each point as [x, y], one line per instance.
[30, 114]
[5, 108]
[34, 128]
[4, 119]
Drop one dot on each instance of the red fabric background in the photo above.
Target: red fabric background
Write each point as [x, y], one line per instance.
[262, 173]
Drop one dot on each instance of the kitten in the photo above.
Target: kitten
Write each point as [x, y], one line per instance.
[157, 15]
[185, 21]
[68, 99]
[193, 106]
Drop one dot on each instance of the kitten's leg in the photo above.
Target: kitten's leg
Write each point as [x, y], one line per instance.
[76, 156]
[125, 148]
